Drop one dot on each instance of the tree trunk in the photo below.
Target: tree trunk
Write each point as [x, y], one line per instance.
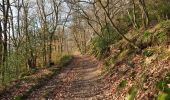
[134, 14]
[1, 50]
[145, 15]
[5, 23]
[50, 49]
[117, 30]
[31, 58]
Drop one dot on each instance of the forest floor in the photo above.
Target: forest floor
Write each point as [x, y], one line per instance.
[82, 79]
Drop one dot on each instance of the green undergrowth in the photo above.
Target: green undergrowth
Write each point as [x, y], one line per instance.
[100, 45]
[158, 35]
[154, 46]
[131, 93]
[153, 41]
[45, 77]
[64, 60]
[163, 86]
[119, 58]
[160, 52]
[148, 53]
[122, 84]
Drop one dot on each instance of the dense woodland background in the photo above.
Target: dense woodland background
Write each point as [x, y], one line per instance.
[34, 34]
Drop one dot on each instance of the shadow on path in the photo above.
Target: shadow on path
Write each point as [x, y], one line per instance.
[81, 80]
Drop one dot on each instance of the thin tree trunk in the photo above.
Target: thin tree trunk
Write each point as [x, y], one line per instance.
[31, 58]
[134, 14]
[44, 50]
[77, 42]
[5, 23]
[145, 15]
[84, 38]
[50, 49]
[18, 18]
[131, 19]
[117, 30]
[1, 50]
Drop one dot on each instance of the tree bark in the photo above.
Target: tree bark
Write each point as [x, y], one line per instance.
[1, 50]
[5, 9]
[117, 29]
[145, 15]
[134, 14]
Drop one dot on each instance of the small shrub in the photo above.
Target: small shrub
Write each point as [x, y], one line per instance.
[146, 34]
[163, 96]
[148, 53]
[131, 93]
[122, 84]
[131, 64]
[109, 61]
[19, 97]
[64, 60]
[123, 55]
[165, 54]
[162, 85]
[161, 38]
[100, 45]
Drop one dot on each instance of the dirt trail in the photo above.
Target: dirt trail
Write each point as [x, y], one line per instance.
[81, 80]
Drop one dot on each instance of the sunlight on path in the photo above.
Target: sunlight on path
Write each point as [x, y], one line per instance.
[81, 80]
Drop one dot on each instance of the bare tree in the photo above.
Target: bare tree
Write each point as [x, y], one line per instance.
[5, 10]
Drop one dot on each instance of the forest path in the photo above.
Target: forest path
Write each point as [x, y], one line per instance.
[80, 80]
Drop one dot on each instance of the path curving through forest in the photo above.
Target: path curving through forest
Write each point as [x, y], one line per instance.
[80, 80]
